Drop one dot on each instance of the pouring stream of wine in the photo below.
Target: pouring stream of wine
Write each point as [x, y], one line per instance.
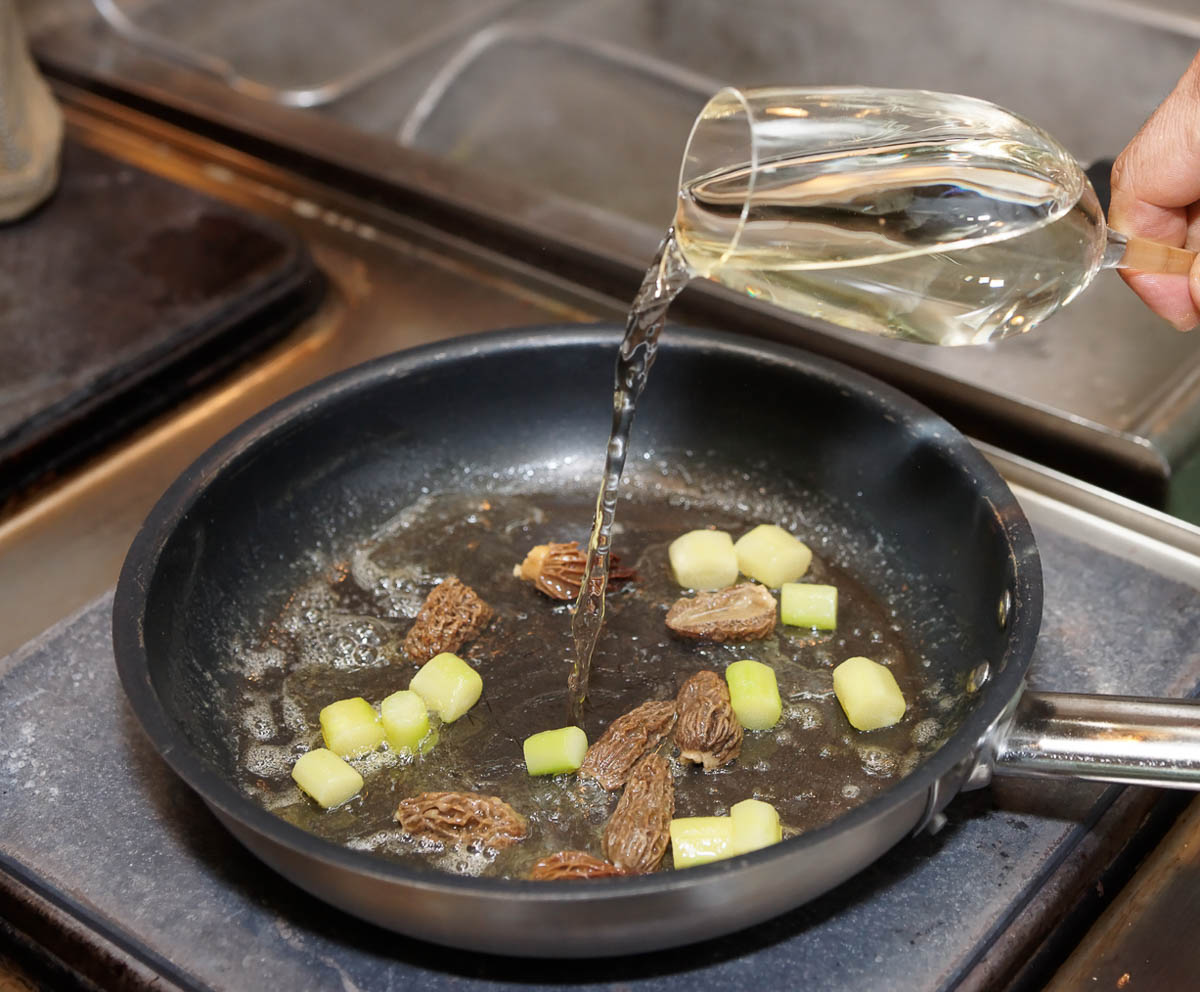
[928, 247]
[665, 279]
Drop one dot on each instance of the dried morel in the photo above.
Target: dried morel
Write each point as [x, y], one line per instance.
[557, 569]
[638, 832]
[451, 615]
[461, 819]
[573, 864]
[743, 612]
[626, 740]
[708, 732]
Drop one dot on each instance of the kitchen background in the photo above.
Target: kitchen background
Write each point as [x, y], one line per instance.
[456, 166]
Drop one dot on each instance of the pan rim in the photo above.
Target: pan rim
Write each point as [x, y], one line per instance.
[173, 506]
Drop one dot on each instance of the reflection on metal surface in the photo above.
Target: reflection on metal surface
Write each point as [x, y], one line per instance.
[1179, 17]
[1004, 609]
[315, 95]
[618, 57]
[1120, 739]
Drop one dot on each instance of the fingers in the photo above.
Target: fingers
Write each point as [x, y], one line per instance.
[1157, 177]
[1174, 298]
[1155, 192]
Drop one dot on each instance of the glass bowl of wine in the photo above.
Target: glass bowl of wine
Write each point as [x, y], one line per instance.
[910, 214]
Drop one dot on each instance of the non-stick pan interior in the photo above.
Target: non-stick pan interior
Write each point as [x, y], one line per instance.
[926, 520]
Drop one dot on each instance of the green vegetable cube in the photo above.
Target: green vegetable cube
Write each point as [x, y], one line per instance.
[755, 825]
[770, 555]
[704, 559]
[805, 604]
[696, 840]
[448, 685]
[326, 777]
[405, 720]
[351, 727]
[868, 693]
[555, 751]
[754, 694]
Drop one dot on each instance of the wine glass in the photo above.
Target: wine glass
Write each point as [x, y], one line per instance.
[904, 213]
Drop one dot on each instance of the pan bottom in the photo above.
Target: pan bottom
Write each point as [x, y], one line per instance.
[341, 631]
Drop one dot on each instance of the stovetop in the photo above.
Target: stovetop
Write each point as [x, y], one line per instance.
[93, 823]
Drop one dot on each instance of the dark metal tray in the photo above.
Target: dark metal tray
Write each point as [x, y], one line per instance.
[120, 297]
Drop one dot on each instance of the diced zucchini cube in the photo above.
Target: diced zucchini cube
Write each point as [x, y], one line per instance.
[351, 727]
[754, 693]
[868, 693]
[805, 604]
[770, 555]
[326, 777]
[704, 559]
[696, 840]
[553, 752]
[448, 685]
[755, 825]
[405, 720]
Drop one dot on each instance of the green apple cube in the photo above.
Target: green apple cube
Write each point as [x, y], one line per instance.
[553, 752]
[704, 559]
[405, 720]
[770, 555]
[428, 742]
[351, 727]
[805, 604]
[697, 840]
[327, 778]
[448, 685]
[754, 694]
[755, 825]
[868, 693]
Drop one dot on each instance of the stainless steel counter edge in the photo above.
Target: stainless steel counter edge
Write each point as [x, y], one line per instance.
[1085, 511]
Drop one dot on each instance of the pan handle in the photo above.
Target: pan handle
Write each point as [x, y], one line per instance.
[1125, 739]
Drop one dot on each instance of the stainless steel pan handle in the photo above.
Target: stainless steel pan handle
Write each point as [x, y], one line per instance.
[1125, 739]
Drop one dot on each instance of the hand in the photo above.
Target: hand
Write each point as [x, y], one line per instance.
[1156, 194]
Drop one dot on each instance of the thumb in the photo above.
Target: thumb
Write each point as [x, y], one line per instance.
[1157, 176]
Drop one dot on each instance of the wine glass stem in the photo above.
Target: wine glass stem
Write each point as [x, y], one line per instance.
[1144, 255]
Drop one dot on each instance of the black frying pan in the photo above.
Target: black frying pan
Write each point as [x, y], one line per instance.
[326, 466]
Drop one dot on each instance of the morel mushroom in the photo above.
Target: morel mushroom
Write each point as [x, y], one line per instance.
[573, 864]
[638, 832]
[626, 740]
[452, 615]
[461, 819]
[744, 612]
[708, 732]
[557, 569]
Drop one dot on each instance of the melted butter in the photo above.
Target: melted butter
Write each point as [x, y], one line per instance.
[339, 635]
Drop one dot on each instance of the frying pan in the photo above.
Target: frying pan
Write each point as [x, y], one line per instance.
[326, 466]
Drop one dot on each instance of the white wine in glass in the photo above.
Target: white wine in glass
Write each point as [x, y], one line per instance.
[903, 213]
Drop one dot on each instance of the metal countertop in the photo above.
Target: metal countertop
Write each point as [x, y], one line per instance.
[450, 118]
